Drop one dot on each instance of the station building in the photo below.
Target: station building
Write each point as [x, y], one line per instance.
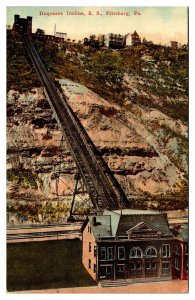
[22, 25]
[134, 245]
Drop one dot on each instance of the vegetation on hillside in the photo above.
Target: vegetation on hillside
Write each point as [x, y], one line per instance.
[21, 75]
[161, 72]
[138, 78]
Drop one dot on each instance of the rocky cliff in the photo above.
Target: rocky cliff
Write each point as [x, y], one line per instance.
[144, 146]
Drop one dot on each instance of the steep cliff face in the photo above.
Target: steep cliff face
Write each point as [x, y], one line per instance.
[133, 148]
[133, 104]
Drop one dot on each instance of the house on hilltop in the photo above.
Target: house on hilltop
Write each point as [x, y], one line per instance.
[135, 38]
[128, 244]
[114, 41]
[132, 39]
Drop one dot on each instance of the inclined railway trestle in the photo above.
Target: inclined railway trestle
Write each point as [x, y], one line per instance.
[103, 188]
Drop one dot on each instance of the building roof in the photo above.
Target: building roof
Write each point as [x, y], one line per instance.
[136, 212]
[135, 34]
[155, 220]
[102, 226]
[119, 222]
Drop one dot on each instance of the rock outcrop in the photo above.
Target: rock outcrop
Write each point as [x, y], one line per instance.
[141, 147]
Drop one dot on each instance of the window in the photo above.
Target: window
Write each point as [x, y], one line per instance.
[177, 248]
[120, 268]
[176, 263]
[109, 253]
[135, 253]
[151, 252]
[165, 250]
[102, 253]
[135, 266]
[148, 265]
[186, 265]
[89, 246]
[94, 268]
[186, 249]
[95, 251]
[89, 264]
[153, 265]
[121, 253]
[138, 266]
[89, 229]
[165, 268]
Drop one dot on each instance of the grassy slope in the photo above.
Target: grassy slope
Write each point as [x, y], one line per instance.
[42, 265]
[20, 73]
[102, 71]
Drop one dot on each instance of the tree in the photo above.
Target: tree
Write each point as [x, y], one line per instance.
[92, 37]
[144, 41]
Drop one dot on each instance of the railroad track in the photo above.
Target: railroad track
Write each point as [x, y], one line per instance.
[40, 226]
[42, 234]
[35, 232]
[103, 188]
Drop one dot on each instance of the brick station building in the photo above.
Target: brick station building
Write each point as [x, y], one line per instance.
[128, 244]
[180, 252]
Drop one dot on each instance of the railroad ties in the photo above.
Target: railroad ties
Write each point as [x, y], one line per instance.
[103, 188]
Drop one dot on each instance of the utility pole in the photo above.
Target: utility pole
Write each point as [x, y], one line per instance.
[55, 30]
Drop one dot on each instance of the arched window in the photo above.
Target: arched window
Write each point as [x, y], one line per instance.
[151, 252]
[135, 253]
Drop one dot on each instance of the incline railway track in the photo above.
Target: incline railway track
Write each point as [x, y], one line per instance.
[103, 188]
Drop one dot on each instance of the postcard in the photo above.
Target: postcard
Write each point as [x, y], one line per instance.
[97, 149]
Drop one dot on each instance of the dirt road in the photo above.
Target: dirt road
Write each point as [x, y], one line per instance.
[174, 286]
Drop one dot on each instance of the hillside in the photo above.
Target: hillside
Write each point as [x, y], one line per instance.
[133, 104]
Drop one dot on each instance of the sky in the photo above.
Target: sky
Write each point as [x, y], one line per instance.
[159, 24]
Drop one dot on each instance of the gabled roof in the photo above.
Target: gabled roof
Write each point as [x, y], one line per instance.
[102, 226]
[158, 221]
[120, 223]
[143, 227]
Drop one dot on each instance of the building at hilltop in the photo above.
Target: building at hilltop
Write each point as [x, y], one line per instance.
[62, 35]
[135, 38]
[114, 41]
[132, 39]
[128, 244]
[174, 44]
[22, 25]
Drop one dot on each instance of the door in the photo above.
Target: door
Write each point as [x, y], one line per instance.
[151, 268]
[106, 272]
[120, 271]
[135, 269]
